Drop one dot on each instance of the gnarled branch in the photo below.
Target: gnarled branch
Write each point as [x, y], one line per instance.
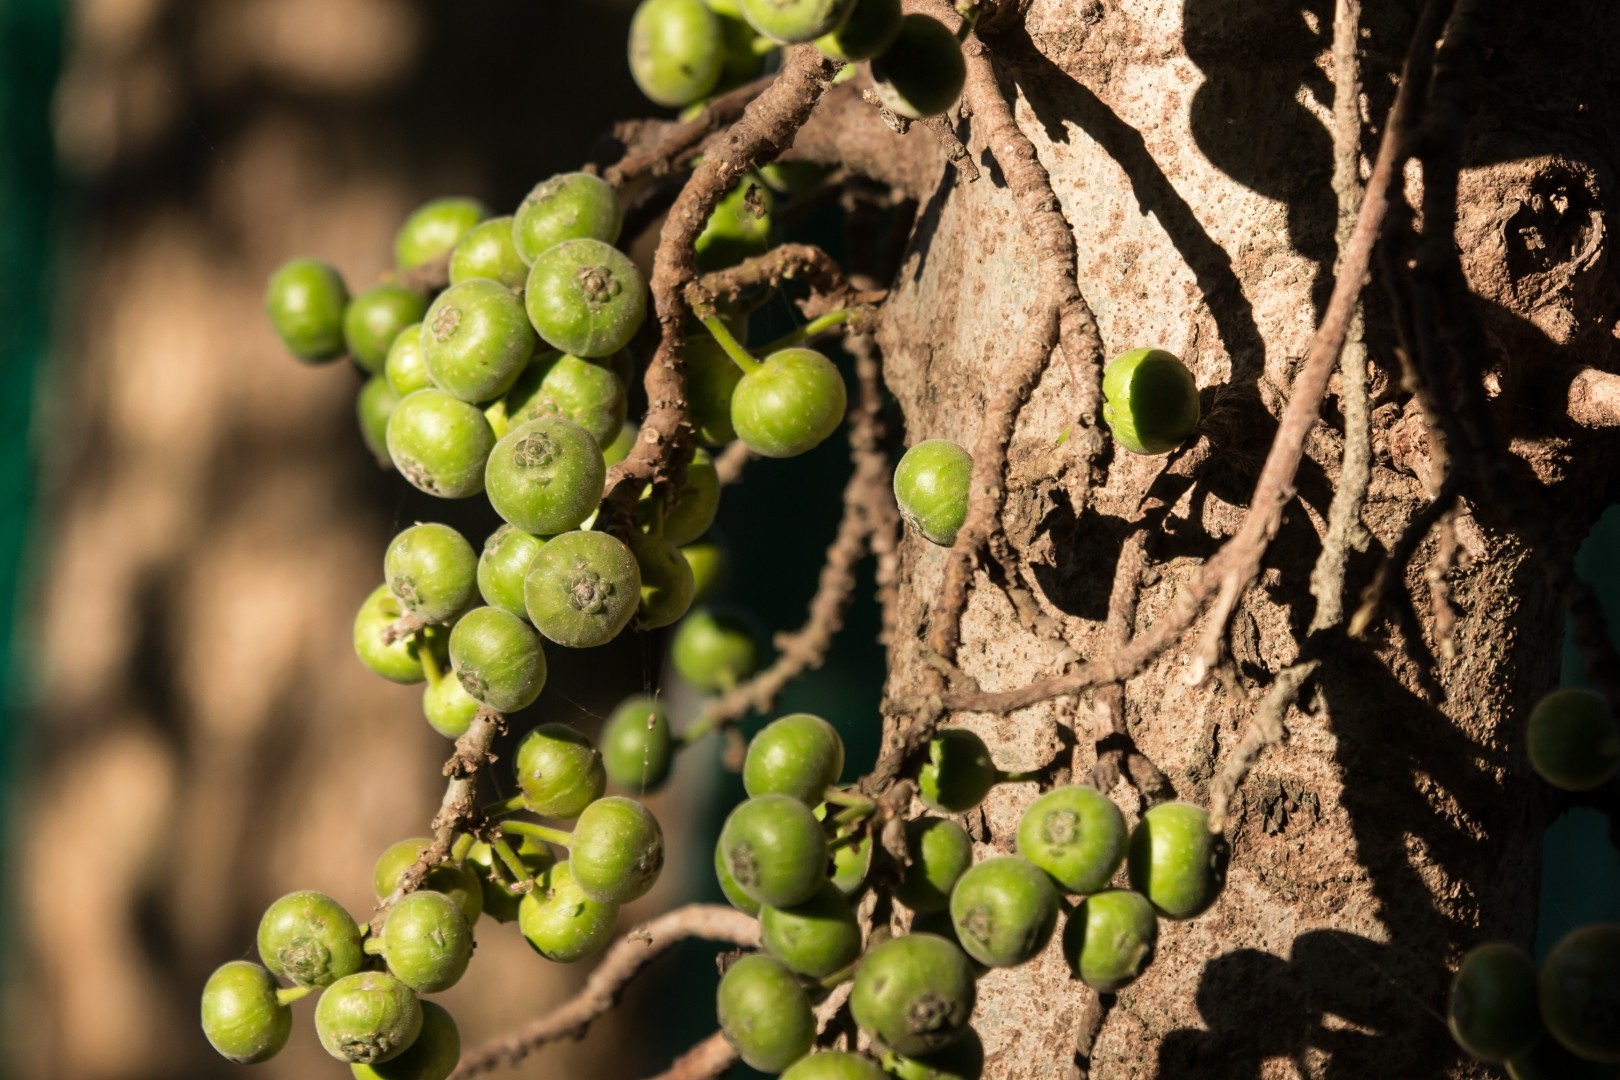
[618, 966]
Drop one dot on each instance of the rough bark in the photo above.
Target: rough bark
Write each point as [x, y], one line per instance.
[1190, 147]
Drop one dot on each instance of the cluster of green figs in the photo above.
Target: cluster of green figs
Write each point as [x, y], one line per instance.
[1563, 1021]
[684, 51]
[798, 852]
[369, 1013]
[528, 354]
[513, 383]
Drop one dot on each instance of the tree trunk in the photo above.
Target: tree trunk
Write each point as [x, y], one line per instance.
[1191, 149]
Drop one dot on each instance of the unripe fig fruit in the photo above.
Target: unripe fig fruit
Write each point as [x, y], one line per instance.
[617, 850]
[914, 994]
[931, 488]
[1150, 401]
[559, 771]
[1076, 834]
[765, 1013]
[1492, 1011]
[775, 850]
[1574, 739]
[241, 1015]
[561, 922]
[433, 1054]
[433, 229]
[309, 938]
[305, 300]
[1175, 861]
[367, 1018]
[799, 755]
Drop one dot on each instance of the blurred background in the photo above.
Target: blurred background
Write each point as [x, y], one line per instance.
[189, 520]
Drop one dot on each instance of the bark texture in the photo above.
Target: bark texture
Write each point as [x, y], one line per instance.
[1190, 147]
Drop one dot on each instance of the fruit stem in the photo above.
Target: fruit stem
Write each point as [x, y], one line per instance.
[540, 832]
[844, 839]
[505, 806]
[499, 422]
[839, 977]
[286, 995]
[1020, 778]
[373, 946]
[430, 667]
[700, 729]
[521, 881]
[462, 847]
[970, 11]
[819, 325]
[854, 814]
[840, 797]
[722, 336]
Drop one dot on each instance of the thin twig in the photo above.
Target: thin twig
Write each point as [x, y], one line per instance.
[1116, 748]
[955, 152]
[618, 966]
[1059, 316]
[805, 263]
[427, 278]
[882, 515]
[402, 627]
[458, 810]
[662, 149]
[1092, 1017]
[711, 1057]
[1274, 490]
[1388, 579]
[1266, 728]
[1345, 531]
[731, 461]
[766, 128]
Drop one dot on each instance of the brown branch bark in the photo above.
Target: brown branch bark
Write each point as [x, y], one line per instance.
[882, 515]
[730, 462]
[766, 128]
[1345, 532]
[458, 810]
[618, 966]
[846, 132]
[711, 1057]
[806, 263]
[657, 149]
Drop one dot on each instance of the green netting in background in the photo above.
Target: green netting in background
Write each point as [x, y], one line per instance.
[30, 56]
